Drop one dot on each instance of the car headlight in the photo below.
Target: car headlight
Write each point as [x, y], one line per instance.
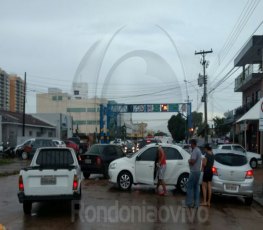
[113, 165]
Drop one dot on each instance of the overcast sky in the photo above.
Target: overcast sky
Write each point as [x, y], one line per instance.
[151, 51]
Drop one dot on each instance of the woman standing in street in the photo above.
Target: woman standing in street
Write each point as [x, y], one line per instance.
[161, 167]
[207, 165]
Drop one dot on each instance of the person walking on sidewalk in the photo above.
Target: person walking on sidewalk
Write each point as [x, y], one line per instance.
[161, 167]
[207, 164]
[193, 187]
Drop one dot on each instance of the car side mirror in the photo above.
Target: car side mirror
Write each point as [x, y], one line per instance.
[138, 158]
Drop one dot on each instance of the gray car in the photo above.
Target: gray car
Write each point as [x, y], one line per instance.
[232, 175]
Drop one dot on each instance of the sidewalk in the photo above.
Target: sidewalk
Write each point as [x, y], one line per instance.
[258, 185]
[13, 168]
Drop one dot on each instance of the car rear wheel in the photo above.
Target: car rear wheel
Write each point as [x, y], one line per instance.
[125, 180]
[248, 200]
[27, 206]
[182, 181]
[253, 163]
[86, 175]
[24, 155]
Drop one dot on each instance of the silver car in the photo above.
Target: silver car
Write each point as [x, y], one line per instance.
[232, 175]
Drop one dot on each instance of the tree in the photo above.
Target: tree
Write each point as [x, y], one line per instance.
[177, 127]
[160, 134]
[221, 129]
[197, 119]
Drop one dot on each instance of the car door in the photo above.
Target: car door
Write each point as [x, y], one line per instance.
[174, 165]
[144, 166]
[110, 154]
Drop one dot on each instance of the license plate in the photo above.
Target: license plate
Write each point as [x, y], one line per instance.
[231, 187]
[88, 161]
[48, 180]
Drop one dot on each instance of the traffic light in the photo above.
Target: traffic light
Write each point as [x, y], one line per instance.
[164, 107]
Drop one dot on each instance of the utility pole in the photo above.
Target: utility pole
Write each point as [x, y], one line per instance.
[203, 80]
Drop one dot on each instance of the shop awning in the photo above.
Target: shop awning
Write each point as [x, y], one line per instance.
[252, 114]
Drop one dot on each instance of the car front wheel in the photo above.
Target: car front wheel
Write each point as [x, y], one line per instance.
[253, 163]
[125, 180]
[182, 182]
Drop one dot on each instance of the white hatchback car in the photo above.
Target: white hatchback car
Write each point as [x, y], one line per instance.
[139, 167]
[232, 175]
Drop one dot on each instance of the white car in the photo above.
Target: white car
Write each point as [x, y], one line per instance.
[139, 167]
[59, 143]
[253, 158]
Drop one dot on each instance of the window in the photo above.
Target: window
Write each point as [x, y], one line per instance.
[55, 158]
[231, 159]
[226, 147]
[91, 110]
[76, 110]
[96, 149]
[109, 151]
[149, 154]
[172, 154]
[119, 151]
[30, 133]
[238, 148]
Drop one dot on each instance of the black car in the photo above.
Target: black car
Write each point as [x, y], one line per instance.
[98, 158]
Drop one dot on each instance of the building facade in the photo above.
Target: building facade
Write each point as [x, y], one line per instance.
[250, 83]
[84, 112]
[11, 128]
[4, 90]
[16, 93]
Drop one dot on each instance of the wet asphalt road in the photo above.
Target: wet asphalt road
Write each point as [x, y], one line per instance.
[105, 207]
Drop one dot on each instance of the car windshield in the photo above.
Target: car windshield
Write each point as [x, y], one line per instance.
[95, 149]
[231, 159]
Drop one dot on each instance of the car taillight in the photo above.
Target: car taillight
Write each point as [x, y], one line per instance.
[214, 170]
[249, 174]
[21, 184]
[98, 160]
[75, 182]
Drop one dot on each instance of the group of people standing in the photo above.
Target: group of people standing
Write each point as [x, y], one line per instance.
[199, 165]
[200, 169]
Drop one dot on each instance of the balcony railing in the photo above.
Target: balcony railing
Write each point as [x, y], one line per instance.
[247, 78]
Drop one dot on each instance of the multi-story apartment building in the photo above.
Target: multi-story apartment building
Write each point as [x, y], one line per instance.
[16, 93]
[4, 91]
[84, 111]
[250, 83]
